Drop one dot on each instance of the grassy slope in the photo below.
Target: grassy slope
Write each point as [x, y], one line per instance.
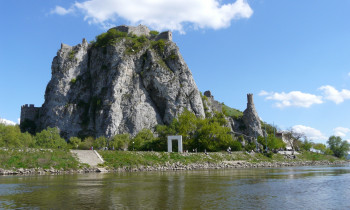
[36, 158]
[231, 112]
[117, 159]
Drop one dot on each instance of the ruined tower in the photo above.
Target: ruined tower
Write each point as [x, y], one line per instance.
[251, 118]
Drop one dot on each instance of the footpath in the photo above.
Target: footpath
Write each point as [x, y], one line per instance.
[90, 157]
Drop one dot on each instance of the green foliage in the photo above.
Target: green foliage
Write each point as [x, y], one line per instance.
[231, 112]
[135, 44]
[50, 138]
[100, 142]
[197, 133]
[74, 142]
[35, 158]
[158, 46]
[108, 38]
[154, 33]
[144, 137]
[120, 141]
[73, 81]
[270, 129]
[272, 142]
[71, 55]
[321, 147]
[338, 146]
[250, 146]
[87, 143]
[306, 145]
[236, 146]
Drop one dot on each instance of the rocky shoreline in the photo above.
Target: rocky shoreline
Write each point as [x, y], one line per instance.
[174, 167]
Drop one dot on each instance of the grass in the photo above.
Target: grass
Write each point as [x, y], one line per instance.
[36, 158]
[231, 112]
[119, 159]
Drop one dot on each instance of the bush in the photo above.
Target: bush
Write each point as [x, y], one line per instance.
[236, 146]
[50, 138]
[143, 137]
[74, 142]
[154, 33]
[120, 141]
[87, 143]
[339, 147]
[158, 46]
[100, 142]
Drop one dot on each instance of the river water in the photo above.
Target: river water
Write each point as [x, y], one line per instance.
[270, 188]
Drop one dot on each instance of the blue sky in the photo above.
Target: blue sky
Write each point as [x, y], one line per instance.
[294, 56]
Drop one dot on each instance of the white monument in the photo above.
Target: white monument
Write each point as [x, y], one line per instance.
[179, 143]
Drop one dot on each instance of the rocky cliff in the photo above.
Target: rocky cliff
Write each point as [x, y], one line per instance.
[128, 80]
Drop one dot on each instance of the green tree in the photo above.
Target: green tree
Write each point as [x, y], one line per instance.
[143, 137]
[339, 147]
[87, 143]
[50, 138]
[74, 142]
[321, 147]
[306, 145]
[120, 141]
[100, 142]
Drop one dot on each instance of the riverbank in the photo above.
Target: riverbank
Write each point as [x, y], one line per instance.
[36, 161]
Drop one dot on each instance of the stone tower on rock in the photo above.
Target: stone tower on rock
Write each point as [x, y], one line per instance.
[251, 118]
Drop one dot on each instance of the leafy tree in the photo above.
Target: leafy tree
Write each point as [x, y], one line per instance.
[138, 142]
[120, 141]
[320, 147]
[50, 138]
[306, 145]
[87, 143]
[10, 136]
[27, 140]
[339, 147]
[74, 142]
[272, 142]
[100, 142]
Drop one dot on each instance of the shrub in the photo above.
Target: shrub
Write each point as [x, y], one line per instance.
[120, 141]
[158, 46]
[154, 33]
[87, 143]
[74, 142]
[100, 142]
[236, 146]
[50, 138]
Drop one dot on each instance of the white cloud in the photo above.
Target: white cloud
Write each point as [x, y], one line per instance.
[263, 93]
[293, 98]
[7, 122]
[61, 11]
[341, 131]
[160, 15]
[310, 133]
[332, 94]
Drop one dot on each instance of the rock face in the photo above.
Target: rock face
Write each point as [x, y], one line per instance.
[118, 88]
[251, 119]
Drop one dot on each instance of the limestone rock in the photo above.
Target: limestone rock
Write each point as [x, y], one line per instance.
[117, 89]
[251, 119]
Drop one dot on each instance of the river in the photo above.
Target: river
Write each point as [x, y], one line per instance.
[264, 188]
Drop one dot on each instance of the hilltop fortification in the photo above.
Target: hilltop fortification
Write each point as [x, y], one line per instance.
[129, 79]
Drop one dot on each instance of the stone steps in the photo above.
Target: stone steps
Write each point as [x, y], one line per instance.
[90, 157]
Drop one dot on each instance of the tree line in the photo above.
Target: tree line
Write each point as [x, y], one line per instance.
[199, 134]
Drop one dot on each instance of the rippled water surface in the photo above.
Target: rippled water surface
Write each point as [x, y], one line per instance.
[282, 188]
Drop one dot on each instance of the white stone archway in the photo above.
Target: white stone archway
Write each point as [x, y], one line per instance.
[179, 143]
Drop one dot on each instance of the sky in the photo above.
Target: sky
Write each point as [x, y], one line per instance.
[294, 56]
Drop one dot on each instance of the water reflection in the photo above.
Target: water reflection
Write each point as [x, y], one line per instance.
[299, 187]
